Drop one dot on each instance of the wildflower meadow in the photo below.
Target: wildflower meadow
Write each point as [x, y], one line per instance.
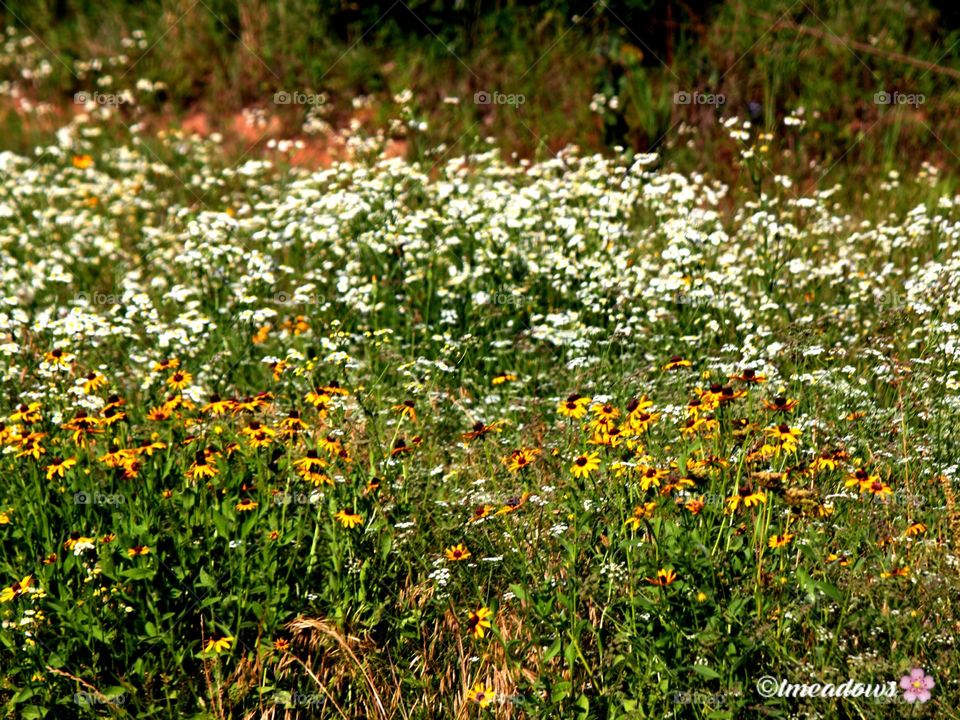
[428, 426]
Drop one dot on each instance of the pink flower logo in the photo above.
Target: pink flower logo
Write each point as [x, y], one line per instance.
[916, 686]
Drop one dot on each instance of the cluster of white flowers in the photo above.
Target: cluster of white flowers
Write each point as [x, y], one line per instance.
[574, 255]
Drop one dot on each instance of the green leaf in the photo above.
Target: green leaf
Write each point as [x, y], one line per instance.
[720, 715]
[22, 696]
[831, 592]
[220, 523]
[520, 592]
[807, 585]
[706, 672]
[560, 691]
[139, 573]
[553, 651]
[248, 524]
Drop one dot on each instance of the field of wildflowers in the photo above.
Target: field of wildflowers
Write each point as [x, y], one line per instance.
[557, 438]
[468, 435]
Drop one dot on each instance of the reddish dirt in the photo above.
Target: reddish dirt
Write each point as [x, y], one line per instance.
[243, 135]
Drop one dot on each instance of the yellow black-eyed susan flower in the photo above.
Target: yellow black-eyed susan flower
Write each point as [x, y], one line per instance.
[218, 645]
[585, 464]
[749, 376]
[217, 406]
[780, 404]
[677, 361]
[694, 505]
[481, 694]
[665, 576]
[482, 511]
[26, 413]
[786, 436]
[93, 382]
[479, 431]
[349, 520]
[746, 496]
[514, 503]
[575, 406]
[407, 409]
[168, 364]
[478, 621]
[58, 357]
[179, 380]
[521, 459]
[651, 477]
[12, 592]
[861, 479]
[641, 513]
[456, 553]
[200, 468]
[330, 444]
[896, 572]
[58, 467]
[880, 490]
[780, 541]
